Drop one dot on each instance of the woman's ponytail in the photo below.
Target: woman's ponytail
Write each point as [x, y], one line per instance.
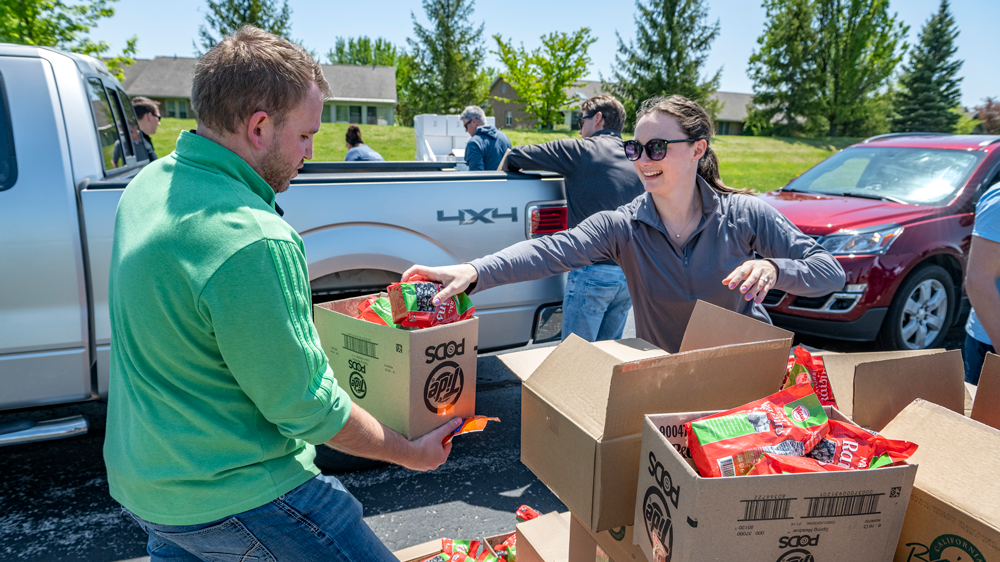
[696, 124]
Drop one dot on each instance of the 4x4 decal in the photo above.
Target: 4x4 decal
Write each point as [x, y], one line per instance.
[478, 216]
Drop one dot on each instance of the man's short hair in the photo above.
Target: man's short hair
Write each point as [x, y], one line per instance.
[250, 71]
[143, 105]
[474, 112]
[611, 109]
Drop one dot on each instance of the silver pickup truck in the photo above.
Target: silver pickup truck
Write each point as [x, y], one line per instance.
[63, 116]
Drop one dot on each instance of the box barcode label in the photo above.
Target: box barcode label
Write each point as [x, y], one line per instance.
[766, 510]
[726, 466]
[843, 506]
[360, 346]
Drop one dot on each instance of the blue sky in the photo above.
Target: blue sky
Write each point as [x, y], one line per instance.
[172, 26]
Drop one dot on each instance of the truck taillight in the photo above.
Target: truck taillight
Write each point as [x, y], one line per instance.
[548, 220]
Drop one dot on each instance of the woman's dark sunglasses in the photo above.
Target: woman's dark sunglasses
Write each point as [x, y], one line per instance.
[656, 149]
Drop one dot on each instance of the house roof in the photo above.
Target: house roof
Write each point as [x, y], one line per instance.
[172, 77]
[734, 106]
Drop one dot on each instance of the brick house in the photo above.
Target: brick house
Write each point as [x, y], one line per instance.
[361, 94]
[511, 115]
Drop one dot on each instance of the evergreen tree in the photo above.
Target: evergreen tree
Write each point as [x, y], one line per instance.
[930, 87]
[786, 82]
[228, 16]
[363, 51]
[671, 46]
[53, 23]
[445, 72]
[857, 53]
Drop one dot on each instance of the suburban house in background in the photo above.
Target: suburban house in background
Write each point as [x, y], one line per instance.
[361, 94]
[511, 115]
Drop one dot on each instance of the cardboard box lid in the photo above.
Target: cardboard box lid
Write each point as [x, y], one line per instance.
[956, 457]
[547, 535]
[419, 552]
[711, 326]
[523, 363]
[872, 388]
[987, 394]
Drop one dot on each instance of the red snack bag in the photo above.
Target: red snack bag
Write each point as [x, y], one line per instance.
[803, 367]
[525, 513]
[850, 446]
[469, 425]
[508, 549]
[413, 304]
[789, 422]
[782, 464]
[449, 546]
[376, 310]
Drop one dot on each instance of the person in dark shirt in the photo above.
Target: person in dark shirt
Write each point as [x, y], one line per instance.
[597, 177]
[487, 146]
[147, 112]
[357, 150]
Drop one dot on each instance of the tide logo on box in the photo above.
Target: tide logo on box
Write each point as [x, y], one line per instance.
[796, 555]
[656, 510]
[444, 351]
[444, 387]
[357, 381]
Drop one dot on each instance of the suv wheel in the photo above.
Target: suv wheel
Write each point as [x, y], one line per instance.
[921, 311]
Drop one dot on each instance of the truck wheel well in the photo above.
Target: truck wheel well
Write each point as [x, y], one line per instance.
[351, 283]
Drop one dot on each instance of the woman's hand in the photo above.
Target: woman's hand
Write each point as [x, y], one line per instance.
[755, 278]
[456, 278]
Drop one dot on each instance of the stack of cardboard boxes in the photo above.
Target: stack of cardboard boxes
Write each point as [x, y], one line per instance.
[602, 427]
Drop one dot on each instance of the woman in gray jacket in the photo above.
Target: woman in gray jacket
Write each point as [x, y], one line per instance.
[688, 237]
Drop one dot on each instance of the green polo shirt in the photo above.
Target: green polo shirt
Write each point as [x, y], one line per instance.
[219, 387]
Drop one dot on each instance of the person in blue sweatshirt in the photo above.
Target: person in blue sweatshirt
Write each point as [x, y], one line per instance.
[357, 150]
[487, 146]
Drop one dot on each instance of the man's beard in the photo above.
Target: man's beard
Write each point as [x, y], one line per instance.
[275, 172]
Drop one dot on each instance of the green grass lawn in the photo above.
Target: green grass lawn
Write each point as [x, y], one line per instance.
[758, 163]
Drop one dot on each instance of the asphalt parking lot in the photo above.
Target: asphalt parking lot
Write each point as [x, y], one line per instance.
[54, 502]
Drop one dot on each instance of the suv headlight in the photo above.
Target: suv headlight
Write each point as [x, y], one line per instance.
[873, 240]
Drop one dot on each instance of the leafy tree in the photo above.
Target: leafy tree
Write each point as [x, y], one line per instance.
[541, 77]
[228, 16]
[965, 124]
[53, 23]
[859, 48]
[671, 46]
[930, 87]
[786, 82]
[445, 71]
[363, 51]
[989, 116]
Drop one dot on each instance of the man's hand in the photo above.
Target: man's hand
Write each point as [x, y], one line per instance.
[755, 278]
[428, 452]
[456, 278]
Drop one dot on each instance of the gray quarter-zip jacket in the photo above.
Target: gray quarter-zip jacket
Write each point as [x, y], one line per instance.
[665, 279]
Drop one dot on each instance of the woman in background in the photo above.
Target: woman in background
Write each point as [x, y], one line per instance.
[357, 150]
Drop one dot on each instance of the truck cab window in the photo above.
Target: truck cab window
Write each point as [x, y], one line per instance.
[8, 160]
[138, 147]
[124, 147]
[107, 130]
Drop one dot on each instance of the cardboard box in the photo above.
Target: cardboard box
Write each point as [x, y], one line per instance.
[614, 545]
[850, 515]
[411, 381]
[871, 388]
[954, 513]
[582, 403]
[544, 539]
[490, 543]
[420, 552]
[987, 394]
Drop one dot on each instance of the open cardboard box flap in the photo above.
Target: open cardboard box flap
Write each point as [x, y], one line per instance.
[957, 458]
[985, 409]
[872, 388]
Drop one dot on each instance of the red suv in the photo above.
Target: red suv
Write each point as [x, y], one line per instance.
[897, 211]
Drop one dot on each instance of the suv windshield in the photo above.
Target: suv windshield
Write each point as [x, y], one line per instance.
[916, 176]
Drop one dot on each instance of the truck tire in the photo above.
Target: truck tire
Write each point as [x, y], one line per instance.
[921, 311]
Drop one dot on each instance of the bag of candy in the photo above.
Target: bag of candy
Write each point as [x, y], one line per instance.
[782, 464]
[413, 305]
[789, 422]
[803, 367]
[507, 550]
[849, 446]
[469, 425]
[377, 310]
[525, 513]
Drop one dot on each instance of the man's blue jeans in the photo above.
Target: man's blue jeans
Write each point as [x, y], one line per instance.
[974, 355]
[319, 520]
[596, 303]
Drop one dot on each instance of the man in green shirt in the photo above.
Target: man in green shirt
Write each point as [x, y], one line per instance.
[219, 387]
